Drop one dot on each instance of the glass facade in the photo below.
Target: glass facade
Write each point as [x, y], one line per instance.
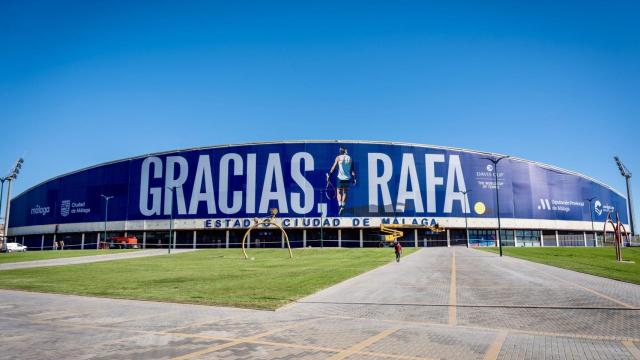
[548, 238]
[458, 237]
[570, 238]
[72, 241]
[372, 238]
[157, 239]
[325, 237]
[184, 239]
[427, 238]
[482, 237]
[528, 237]
[322, 237]
[350, 238]
[211, 239]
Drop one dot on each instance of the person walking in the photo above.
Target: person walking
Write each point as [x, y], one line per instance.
[398, 249]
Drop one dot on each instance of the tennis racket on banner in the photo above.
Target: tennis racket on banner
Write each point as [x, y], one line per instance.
[329, 190]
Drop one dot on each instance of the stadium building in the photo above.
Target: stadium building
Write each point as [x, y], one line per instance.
[210, 195]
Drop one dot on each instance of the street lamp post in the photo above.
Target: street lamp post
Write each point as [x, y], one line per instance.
[106, 214]
[464, 204]
[593, 229]
[495, 162]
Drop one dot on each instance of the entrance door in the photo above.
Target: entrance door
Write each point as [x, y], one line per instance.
[458, 237]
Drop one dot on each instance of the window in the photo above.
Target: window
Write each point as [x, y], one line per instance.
[528, 237]
[507, 237]
[350, 238]
[428, 238]
[211, 239]
[482, 237]
[322, 237]
[570, 238]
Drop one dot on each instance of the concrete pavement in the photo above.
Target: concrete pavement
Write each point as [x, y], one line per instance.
[438, 303]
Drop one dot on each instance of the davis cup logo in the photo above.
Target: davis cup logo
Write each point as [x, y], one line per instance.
[597, 207]
[65, 206]
[489, 168]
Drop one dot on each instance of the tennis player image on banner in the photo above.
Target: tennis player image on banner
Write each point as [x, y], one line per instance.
[345, 176]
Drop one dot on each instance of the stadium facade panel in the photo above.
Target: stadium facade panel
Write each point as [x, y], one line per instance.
[214, 193]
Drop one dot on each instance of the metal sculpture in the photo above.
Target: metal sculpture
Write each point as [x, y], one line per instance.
[618, 231]
[266, 222]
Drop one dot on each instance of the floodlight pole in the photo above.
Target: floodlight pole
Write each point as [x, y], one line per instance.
[595, 236]
[7, 209]
[464, 204]
[495, 162]
[12, 176]
[2, 180]
[630, 205]
[106, 214]
[627, 176]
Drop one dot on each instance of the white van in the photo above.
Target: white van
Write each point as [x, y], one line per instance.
[11, 247]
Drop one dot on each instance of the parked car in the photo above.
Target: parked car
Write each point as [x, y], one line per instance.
[11, 247]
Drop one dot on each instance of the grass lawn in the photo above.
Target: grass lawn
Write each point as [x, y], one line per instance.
[46, 255]
[213, 277]
[594, 261]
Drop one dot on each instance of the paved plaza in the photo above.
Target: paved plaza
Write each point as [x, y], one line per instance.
[438, 303]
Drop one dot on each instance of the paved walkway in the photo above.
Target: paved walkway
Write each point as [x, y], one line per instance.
[87, 259]
[438, 303]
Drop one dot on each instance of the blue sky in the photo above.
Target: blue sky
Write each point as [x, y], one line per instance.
[93, 81]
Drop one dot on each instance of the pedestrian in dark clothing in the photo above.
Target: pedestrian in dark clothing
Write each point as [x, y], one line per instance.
[398, 249]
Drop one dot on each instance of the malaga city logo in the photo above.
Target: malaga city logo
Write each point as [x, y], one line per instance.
[65, 207]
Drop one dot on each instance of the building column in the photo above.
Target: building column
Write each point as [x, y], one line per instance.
[42, 243]
[282, 239]
[195, 237]
[144, 239]
[249, 240]
[226, 239]
[304, 238]
[415, 237]
[55, 237]
[541, 238]
[515, 238]
[22, 240]
[361, 238]
[448, 238]
[98, 240]
[82, 243]
[584, 233]
[557, 239]
[339, 237]
[175, 236]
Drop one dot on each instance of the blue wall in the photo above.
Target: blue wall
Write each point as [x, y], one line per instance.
[246, 180]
